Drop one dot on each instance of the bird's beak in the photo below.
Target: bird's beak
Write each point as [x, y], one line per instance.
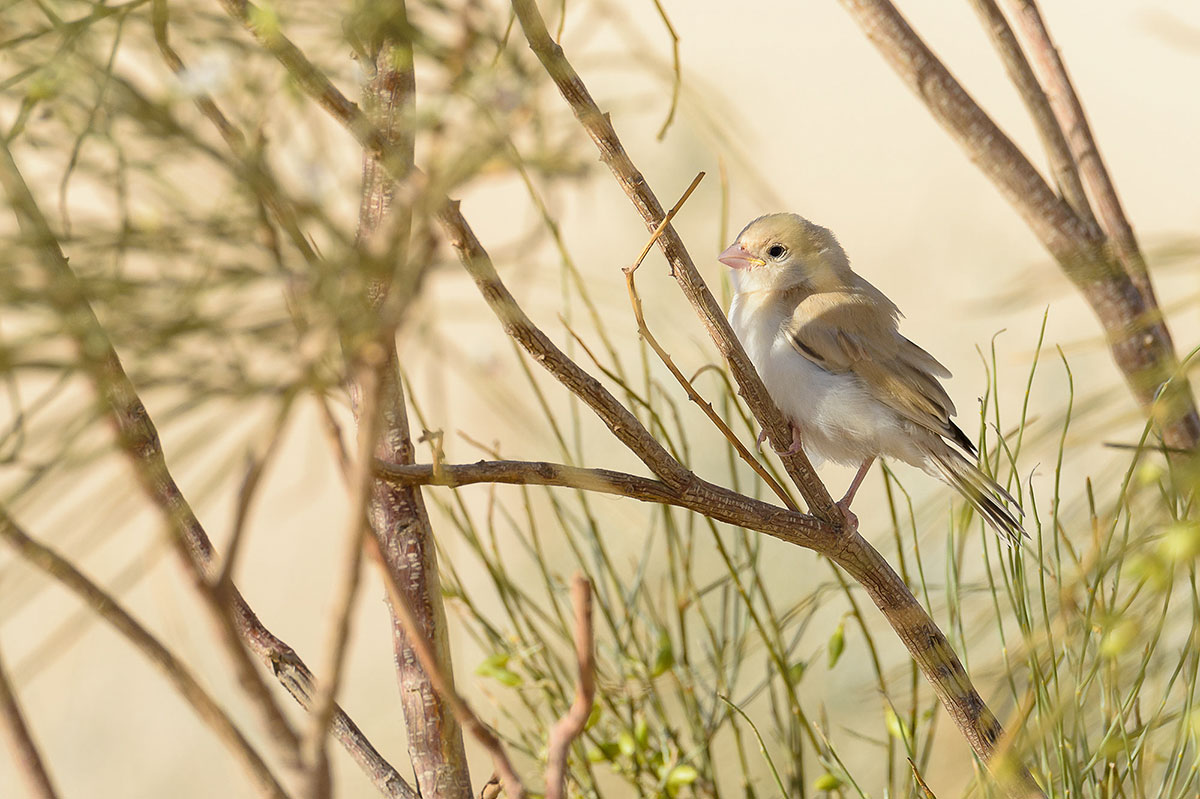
[736, 257]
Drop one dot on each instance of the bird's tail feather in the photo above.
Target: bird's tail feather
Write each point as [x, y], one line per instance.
[981, 491]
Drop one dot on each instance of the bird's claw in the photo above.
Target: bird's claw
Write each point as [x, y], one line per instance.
[796, 446]
[850, 520]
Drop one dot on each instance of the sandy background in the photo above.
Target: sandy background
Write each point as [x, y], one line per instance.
[808, 118]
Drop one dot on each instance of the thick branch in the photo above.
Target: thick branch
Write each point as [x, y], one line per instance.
[1062, 163]
[1137, 336]
[918, 632]
[397, 513]
[622, 423]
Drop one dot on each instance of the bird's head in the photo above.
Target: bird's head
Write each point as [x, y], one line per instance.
[779, 251]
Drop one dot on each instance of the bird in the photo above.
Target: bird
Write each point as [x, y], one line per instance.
[828, 348]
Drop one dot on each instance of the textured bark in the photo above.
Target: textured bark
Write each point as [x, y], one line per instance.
[1108, 271]
[397, 513]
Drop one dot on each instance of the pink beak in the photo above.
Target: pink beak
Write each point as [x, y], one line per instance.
[736, 257]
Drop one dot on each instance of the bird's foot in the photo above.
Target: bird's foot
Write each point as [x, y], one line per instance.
[796, 446]
[850, 520]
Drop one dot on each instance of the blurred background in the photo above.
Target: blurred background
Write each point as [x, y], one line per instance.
[785, 107]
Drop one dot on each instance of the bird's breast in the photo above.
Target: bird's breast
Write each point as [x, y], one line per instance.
[838, 418]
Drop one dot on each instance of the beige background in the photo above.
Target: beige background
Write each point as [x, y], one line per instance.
[807, 118]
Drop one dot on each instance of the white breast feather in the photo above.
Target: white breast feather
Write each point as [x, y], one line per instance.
[838, 418]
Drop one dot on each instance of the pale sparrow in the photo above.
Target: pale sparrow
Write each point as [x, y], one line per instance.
[826, 344]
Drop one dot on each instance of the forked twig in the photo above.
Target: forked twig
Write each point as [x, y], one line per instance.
[571, 726]
[694, 395]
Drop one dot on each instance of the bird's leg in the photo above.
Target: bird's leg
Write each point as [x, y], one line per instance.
[844, 503]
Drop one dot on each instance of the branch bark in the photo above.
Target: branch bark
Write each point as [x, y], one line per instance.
[397, 513]
[925, 642]
[138, 439]
[1137, 336]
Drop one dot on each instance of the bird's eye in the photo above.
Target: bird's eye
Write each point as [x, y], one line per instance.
[777, 251]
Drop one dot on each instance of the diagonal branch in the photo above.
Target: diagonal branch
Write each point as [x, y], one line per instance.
[890, 593]
[1062, 162]
[1137, 336]
[16, 732]
[925, 642]
[138, 438]
[175, 670]
[1067, 108]
[599, 128]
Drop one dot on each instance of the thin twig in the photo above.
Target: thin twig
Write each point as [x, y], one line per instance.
[362, 479]
[20, 741]
[175, 670]
[138, 439]
[571, 726]
[665, 357]
[599, 128]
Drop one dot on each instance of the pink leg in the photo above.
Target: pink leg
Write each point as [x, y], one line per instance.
[844, 502]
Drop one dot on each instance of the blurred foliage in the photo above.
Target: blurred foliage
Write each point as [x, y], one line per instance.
[728, 664]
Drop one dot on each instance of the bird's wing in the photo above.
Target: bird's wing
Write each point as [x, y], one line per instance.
[854, 331]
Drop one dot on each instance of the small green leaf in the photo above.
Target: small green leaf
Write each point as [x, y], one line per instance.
[641, 733]
[679, 777]
[664, 657]
[837, 643]
[1118, 639]
[895, 727]
[1182, 541]
[795, 672]
[606, 751]
[626, 744]
[594, 717]
[496, 667]
[827, 782]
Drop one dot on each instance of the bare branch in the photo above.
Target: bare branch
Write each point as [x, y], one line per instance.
[665, 357]
[600, 129]
[443, 684]
[111, 611]
[138, 438]
[1137, 336]
[571, 726]
[1068, 109]
[20, 740]
[397, 514]
[1062, 163]
[703, 497]
[361, 482]
[906, 616]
